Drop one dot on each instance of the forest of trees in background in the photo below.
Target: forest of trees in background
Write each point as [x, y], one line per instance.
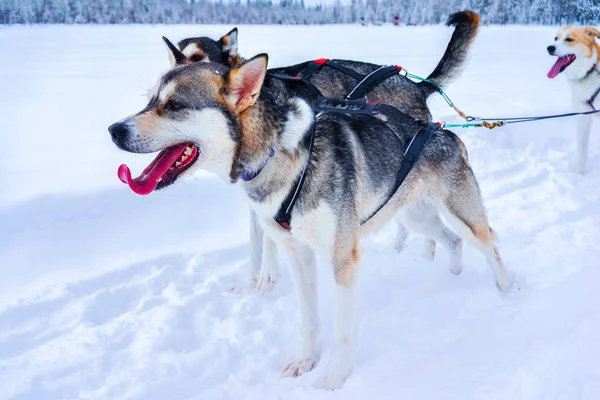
[413, 12]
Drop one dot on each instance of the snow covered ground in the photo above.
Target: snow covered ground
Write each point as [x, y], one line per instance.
[109, 295]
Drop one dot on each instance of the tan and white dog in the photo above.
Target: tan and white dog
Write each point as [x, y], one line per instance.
[578, 55]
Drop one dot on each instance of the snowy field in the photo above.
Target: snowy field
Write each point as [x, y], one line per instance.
[109, 295]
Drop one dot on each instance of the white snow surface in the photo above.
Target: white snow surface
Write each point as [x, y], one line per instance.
[108, 295]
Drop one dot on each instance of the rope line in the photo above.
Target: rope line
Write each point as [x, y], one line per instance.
[489, 123]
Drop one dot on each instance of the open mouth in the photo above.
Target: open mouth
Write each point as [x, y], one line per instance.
[168, 165]
[560, 65]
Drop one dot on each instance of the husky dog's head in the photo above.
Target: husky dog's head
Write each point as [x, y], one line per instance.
[193, 118]
[203, 49]
[577, 51]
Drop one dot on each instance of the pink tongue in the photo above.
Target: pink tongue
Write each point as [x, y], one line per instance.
[555, 70]
[148, 180]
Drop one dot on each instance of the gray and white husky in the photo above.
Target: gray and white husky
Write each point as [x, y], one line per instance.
[404, 94]
[206, 116]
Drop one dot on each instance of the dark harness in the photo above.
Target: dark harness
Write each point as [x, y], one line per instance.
[353, 107]
[591, 100]
[301, 73]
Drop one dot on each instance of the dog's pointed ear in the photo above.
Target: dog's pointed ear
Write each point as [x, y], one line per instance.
[590, 31]
[175, 55]
[243, 83]
[229, 46]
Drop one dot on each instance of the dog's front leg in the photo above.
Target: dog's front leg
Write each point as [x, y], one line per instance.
[583, 140]
[268, 268]
[301, 260]
[345, 266]
[256, 247]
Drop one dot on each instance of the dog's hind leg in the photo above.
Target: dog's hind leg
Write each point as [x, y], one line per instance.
[466, 214]
[302, 267]
[423, 218]
[583, 141]
[402, 236]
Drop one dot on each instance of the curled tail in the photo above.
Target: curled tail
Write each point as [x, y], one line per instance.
[466, 26]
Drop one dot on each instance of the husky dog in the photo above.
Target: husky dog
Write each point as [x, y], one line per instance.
[578, 55]
[398, 91]
[206, 116]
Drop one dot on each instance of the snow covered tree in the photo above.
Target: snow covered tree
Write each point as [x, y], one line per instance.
[549, 12]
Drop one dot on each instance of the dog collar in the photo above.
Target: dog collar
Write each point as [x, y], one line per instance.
[592, 70]
[249, 175]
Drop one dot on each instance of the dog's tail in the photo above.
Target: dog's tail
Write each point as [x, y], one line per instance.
[450, 67]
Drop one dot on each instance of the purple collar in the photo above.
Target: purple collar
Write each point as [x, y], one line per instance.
[249, 175]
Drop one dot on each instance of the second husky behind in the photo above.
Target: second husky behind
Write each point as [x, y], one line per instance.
[398, 91]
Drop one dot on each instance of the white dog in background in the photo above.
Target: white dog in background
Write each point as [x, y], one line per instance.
[579, 57]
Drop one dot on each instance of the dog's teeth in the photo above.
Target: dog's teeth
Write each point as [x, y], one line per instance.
[188, 151]
[177, 164]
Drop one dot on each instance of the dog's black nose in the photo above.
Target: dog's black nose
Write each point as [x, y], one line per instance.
[118, 132]
[551, 50]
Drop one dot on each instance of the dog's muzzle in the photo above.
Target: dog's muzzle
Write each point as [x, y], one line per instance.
[118, 132]
[551, 50]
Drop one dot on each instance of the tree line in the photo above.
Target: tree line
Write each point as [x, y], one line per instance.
[410, 12]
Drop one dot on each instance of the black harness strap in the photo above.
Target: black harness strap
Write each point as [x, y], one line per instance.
[345, 70]
[284, 215]
[411, 156]
[324, 104]
[591, 100]
[354, 107]
[311, 87]
[301, 73]
[370, 81]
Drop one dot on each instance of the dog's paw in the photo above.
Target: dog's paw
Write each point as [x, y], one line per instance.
[456, 268]
[456, 265]
[264, 283]
[511, 286]
[298, 368]
[331, 381]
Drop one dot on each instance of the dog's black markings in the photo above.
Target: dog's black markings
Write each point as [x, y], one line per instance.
[301, 73]
[324, 104]
[591, 100]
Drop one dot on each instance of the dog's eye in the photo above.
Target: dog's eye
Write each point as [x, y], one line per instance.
[173, 105]
[196, 58]
[568, 39]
